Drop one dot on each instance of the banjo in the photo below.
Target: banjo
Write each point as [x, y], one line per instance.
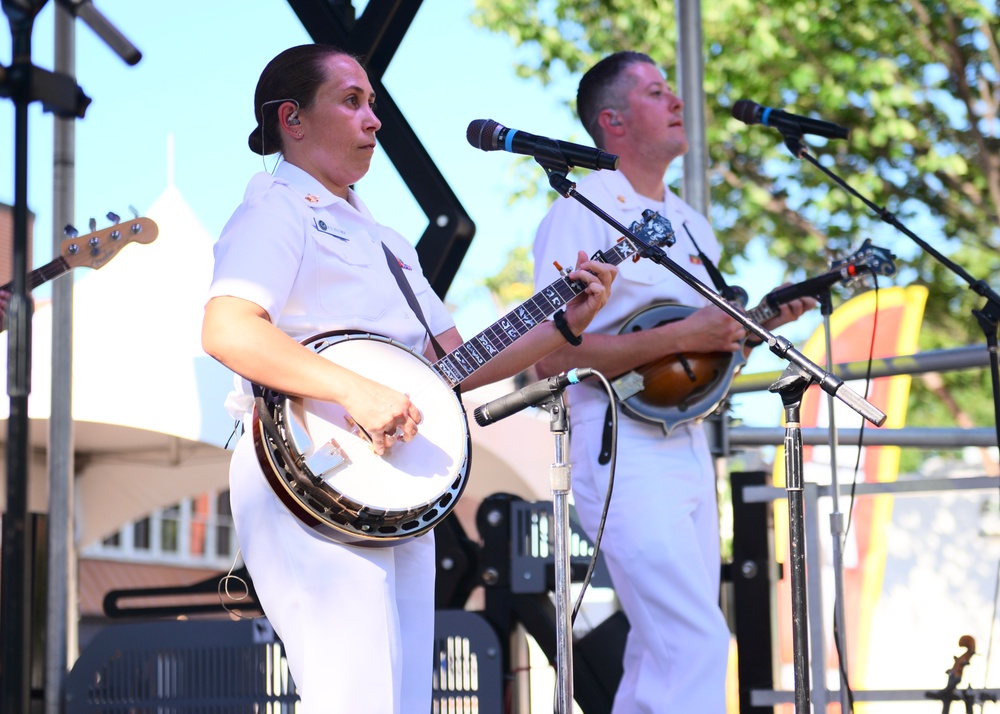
[324, 470]
[682, 387]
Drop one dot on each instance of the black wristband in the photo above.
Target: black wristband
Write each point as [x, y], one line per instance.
[752, 342]
[560, 319]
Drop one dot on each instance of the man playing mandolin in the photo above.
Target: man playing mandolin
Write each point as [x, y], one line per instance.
[661, 539]
[300, 256]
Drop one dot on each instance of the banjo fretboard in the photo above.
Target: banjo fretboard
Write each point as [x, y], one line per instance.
[463, 361]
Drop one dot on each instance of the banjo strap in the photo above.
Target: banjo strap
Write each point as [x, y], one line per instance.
[411, 299]
[404, 285]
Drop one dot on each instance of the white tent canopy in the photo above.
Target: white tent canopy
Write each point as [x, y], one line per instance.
[148, 423]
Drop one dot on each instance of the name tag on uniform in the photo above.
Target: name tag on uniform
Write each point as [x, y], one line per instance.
[330, 229]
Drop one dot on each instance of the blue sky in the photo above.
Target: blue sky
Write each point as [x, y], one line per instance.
[196, 79]
[195, 82]
[200, 64]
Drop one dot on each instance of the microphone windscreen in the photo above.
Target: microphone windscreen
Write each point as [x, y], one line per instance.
[480, 133]
[744, 110]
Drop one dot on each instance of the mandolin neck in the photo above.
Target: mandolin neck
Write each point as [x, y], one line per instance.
[763, 312]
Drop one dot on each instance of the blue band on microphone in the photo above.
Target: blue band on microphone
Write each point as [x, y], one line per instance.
[573, 376]
[508, 141]
[765, 115]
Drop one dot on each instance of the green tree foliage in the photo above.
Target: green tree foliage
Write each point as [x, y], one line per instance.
[917, 81]
[514, 283]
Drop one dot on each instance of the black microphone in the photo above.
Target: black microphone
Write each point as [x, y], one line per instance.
[812, 287]
[529, 396]
[751, 113]
[487, 135]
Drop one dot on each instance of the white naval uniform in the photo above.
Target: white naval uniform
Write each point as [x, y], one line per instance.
[357, 623]
[661, 539]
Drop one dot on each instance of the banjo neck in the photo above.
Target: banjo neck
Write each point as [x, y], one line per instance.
[464, 360]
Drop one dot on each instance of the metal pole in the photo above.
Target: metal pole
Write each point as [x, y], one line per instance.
[791, 387]
[15, 585]
[836, 526]
[814, 606]
[691, 86]
[60, 621]
[559, 477]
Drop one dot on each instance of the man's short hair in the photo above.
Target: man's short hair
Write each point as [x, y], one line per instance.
[604, 86]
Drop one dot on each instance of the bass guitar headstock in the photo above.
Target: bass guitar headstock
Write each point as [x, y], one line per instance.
[97, 248]
[93, 250]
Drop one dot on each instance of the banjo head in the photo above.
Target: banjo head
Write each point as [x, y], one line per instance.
[348, 493]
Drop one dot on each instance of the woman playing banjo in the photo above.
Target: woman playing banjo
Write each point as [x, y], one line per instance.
[302, 255]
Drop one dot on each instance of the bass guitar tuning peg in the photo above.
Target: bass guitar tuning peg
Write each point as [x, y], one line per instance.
[135, 213]
[114, 217]
[93, 225]
[70, 231]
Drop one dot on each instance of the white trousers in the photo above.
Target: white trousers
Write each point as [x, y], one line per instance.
[357, 624]
[661, 545]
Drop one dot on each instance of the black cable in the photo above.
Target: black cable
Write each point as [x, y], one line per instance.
[607, 497]
[861, 431]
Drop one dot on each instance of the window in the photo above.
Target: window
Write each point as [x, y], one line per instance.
[141, 532]
[196, 531]
[169, 529]
[224, 535]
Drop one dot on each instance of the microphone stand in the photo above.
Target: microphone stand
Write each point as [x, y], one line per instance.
[551, 399]
[791, 386]
[988, 316]
[800, 374]
[561, 485]
[836, 517]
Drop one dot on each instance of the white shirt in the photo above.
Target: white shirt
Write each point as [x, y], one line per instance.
[314, 262]
[569, 226]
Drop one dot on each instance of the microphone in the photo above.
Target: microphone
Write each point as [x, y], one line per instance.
[751, 113]
[487, 135]
[812, 287]
[529, 396]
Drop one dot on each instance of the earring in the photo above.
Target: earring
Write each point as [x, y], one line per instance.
[298, 134]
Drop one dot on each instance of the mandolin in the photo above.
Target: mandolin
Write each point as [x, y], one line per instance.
[683, 387]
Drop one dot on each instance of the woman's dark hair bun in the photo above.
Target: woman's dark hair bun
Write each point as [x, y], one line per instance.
[255, 142]
[294, 75]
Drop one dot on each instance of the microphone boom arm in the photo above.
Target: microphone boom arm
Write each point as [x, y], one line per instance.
[780, 346]
[988, 316]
